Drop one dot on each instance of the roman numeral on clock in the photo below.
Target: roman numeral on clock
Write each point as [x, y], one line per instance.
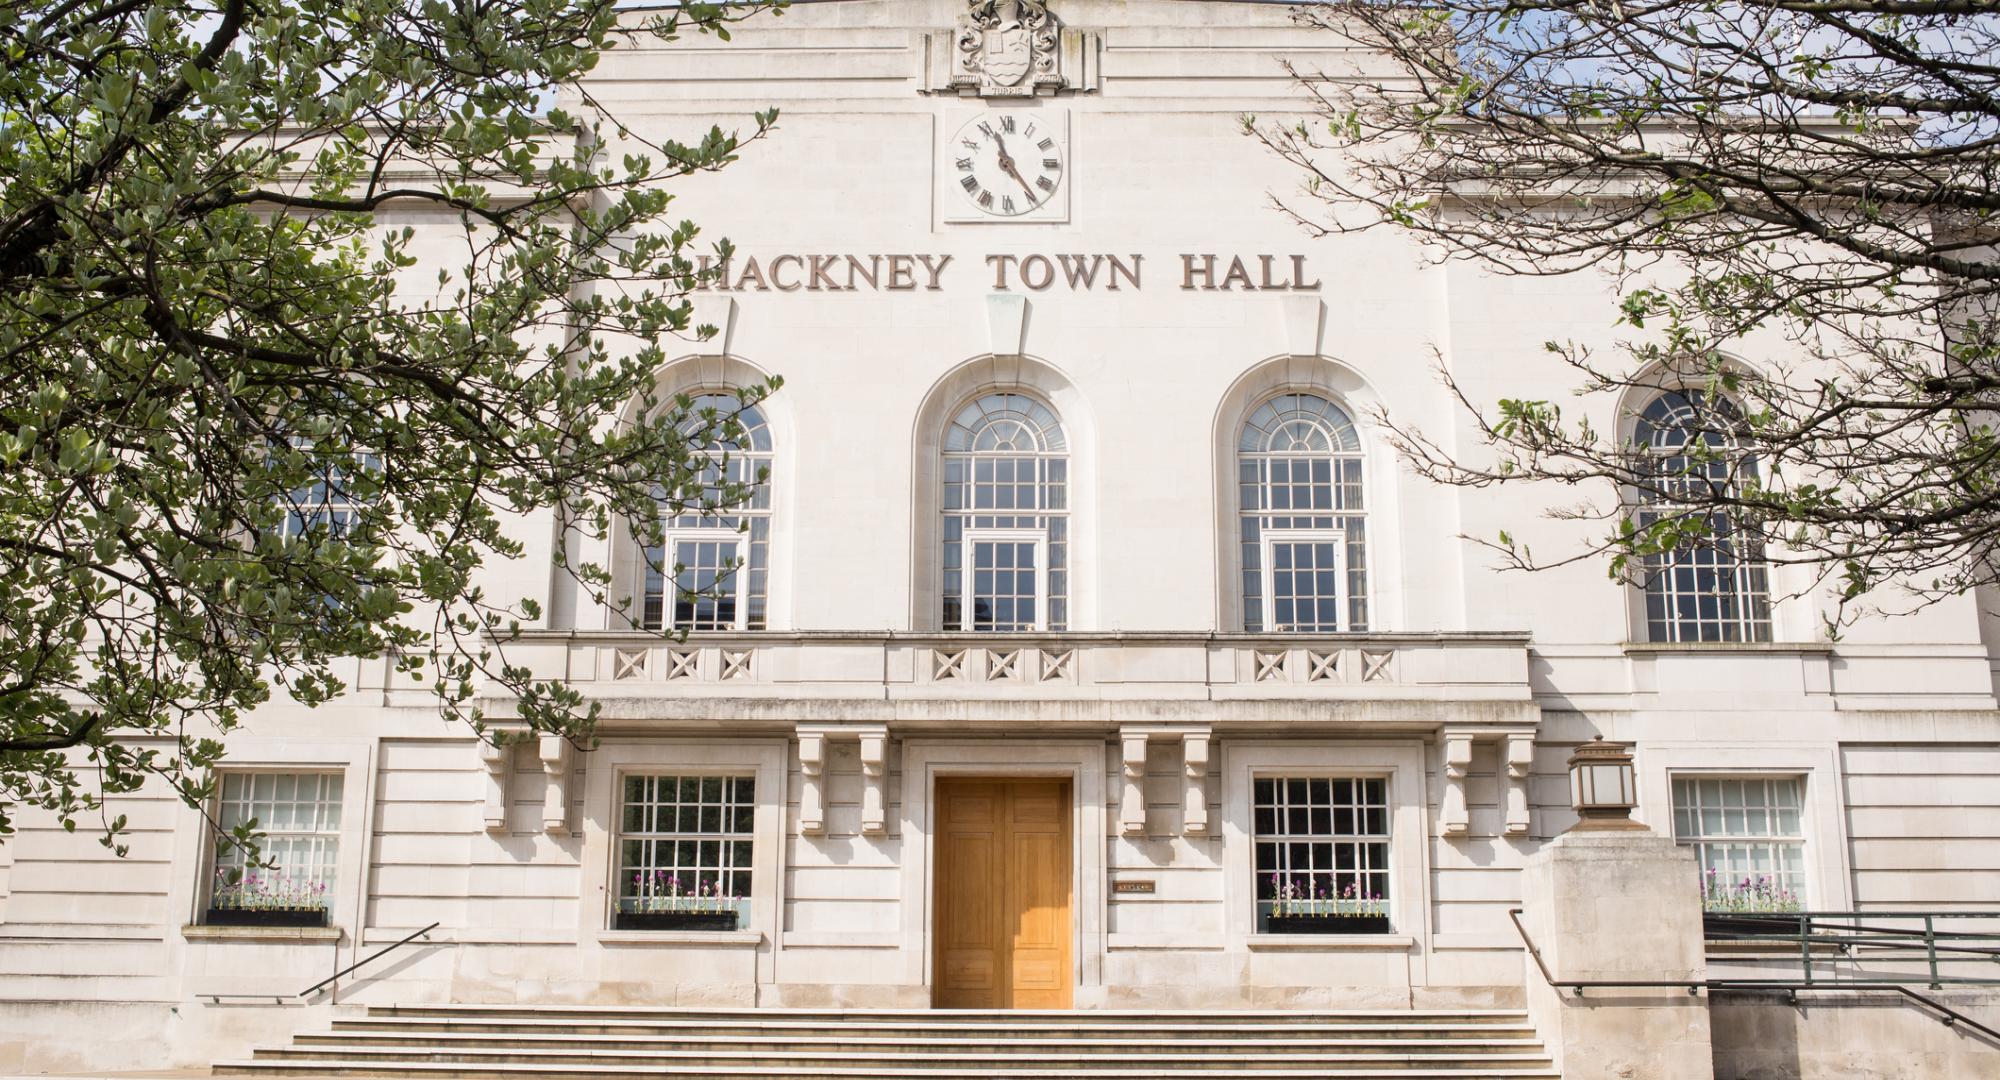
[970, 183]
[1007, 124]
[1046, 144]
[1007, 204]
[965, 164]
[1051, 163]
[1045, 183]
[986, 198]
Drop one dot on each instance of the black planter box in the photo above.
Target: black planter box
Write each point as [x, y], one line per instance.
[1327, 924]
[675, 920]
[266, 917]
[1733, 925]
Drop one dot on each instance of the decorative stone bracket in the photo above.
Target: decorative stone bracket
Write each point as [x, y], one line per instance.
[1194, 761]
[1520, 759]
[1517, 755]
[555, 754]
[1132, 797]
[1194, 769]
[874, 747]
[499, 762]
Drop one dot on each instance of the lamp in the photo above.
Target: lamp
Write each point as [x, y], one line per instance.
[1602, 787]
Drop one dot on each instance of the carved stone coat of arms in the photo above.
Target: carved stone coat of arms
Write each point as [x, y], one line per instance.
[1007, 48]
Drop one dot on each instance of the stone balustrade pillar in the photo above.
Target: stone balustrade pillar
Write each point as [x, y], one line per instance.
[1618, 904]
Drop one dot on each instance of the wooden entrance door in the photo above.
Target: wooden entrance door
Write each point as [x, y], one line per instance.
[1003, 894]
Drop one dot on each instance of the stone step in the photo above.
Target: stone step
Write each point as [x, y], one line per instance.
[1380, 1025]
[514, 1042]
[809, 1063]
[958, 1043]
[318, 1069]
[1006, 1018]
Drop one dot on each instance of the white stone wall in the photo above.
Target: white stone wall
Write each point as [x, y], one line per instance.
[1922, 818]
[1894, 727]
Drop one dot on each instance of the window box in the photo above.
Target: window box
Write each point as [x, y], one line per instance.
[266, 917]
[1735, 925]
[1326, 924]
[675, 920]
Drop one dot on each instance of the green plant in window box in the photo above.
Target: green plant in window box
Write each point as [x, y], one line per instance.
[1748, 907]
[241, 898]
[659, 901]
[1299, 909]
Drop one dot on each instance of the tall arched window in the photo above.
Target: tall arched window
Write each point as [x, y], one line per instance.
[1006, 517]
[1717, 586]
[712, 570]
[1304, 530]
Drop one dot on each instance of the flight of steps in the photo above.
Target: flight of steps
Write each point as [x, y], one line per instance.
[620, 1041]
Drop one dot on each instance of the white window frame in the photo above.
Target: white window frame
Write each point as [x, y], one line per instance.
[971, 539]
[670, 542]
[1387, 838]
[1829, 881]
[1402, 763]
[1269, 539]
[1807, 873]
[762, 759]
[194, 830]
[619, 835]
[216, 853]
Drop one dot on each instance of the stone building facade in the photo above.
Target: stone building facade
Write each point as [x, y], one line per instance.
[1085, 601]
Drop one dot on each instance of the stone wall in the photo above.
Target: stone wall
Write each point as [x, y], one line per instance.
[1851, 1036]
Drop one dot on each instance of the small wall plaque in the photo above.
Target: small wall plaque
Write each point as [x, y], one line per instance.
[1132, 885]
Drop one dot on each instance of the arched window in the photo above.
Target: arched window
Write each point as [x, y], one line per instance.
[1716, 587]
[712, 570]
[1304, 529]
[1006, 517]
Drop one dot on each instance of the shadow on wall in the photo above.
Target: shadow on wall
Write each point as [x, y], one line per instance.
[1756, 1036]
[1850, 1037]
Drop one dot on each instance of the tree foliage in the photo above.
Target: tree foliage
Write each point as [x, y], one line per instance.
[1816, 176]
[241, 436]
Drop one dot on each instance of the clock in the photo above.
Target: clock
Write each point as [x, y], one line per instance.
[1008, 164]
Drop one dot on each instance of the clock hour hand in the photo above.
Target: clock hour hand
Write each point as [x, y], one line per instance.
[1007, 166]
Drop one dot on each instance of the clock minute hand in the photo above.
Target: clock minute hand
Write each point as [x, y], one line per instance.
[1007, 166]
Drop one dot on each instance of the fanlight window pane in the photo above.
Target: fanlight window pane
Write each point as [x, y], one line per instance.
[299, 817]
[1718, 589]
[733, 570]
[1749, 839]
[1299, 467]
[1321, 844]
[685, 844]
[1005, 467]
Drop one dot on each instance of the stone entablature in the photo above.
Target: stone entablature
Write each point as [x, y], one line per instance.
[1487, 667]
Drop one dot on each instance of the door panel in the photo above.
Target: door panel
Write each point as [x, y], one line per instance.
[1003, 894]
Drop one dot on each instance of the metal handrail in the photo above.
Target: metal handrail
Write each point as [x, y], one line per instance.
[371, 958]
[1867, 941]
[1948, 1016]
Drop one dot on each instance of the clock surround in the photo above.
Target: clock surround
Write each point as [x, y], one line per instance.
[1003, 165]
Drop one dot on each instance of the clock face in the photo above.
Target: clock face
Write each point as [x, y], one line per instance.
[1006, 164]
